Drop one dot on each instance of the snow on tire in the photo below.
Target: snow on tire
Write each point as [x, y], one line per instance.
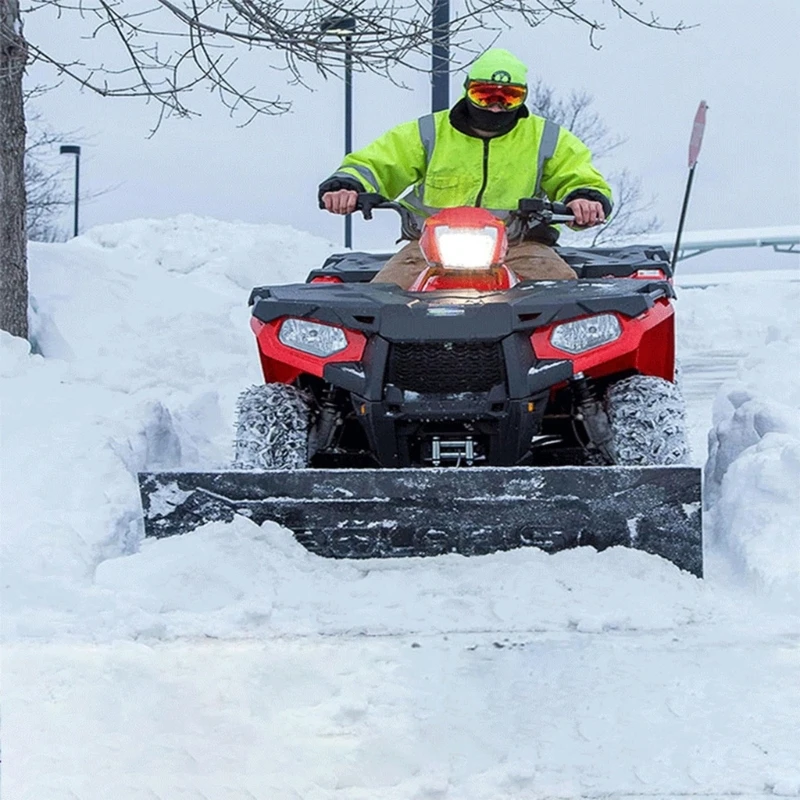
[648, 422]
[272, 428]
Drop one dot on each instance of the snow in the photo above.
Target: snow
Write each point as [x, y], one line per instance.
[234, 664]
[753, 469]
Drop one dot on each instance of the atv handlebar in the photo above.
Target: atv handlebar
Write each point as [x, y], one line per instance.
[543, 210]
[367, 201]
[529, 209]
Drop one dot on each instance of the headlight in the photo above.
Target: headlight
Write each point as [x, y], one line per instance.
[312, 337]
[466, 248]
[584, 334]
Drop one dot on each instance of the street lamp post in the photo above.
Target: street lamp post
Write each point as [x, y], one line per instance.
[440, 55]
[73, 149]
[345, 27]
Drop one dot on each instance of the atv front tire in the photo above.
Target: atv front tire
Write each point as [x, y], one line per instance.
[648, 422]
[272, 428]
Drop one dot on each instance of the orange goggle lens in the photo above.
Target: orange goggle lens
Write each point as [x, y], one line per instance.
[508, 95]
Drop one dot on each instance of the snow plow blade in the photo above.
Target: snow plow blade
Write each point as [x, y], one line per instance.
[379, 513]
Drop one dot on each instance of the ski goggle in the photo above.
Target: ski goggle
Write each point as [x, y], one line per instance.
[484, 94]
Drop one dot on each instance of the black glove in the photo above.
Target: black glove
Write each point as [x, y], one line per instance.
[589, 194]
[337, 183]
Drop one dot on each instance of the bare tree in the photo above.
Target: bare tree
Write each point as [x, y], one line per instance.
[45, 172]
[13, 252]
[631, 215]
[45, 193]
[167, 48]
[575, 112]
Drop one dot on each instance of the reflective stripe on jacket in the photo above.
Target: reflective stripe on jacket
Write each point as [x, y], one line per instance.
[448, 168]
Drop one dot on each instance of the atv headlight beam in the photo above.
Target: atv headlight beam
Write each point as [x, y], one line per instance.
[313, 338]
[585, 334]
[466, 248]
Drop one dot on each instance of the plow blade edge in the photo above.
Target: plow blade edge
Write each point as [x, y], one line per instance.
[378, 513]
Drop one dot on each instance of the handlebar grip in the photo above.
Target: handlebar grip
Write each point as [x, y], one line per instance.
[562, 210]
[366, 201]
[539, 208]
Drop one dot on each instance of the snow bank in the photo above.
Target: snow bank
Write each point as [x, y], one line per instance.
[736, 316]
[752, 477]
[752, 470]
[160, 303]
[141, 344]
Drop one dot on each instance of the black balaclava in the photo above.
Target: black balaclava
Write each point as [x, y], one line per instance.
[498, 122]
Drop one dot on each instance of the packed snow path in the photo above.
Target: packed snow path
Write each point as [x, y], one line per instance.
[433, 716]
[233, 664]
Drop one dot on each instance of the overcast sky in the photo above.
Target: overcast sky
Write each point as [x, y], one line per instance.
[742, 58]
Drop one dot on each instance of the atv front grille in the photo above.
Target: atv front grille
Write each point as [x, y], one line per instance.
[446, 367]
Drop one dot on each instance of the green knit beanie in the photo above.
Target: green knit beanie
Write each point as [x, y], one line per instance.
[497, 65]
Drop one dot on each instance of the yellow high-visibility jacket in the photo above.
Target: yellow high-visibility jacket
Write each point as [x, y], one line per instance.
[446, 168]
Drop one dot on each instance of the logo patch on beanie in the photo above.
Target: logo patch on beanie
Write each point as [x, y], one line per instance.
[501, 76]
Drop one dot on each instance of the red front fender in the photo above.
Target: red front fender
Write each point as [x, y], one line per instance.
[646, 346]
[282, 364]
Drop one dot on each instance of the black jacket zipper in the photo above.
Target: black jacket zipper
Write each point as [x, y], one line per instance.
[485, 172]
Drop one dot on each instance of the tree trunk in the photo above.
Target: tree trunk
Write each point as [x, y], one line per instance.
[13, 241]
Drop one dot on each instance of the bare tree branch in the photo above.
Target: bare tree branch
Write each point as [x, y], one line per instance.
[167, 48]
[631, 212]
[47, 173]
[45, 193]
[630, 217]
[575, 114]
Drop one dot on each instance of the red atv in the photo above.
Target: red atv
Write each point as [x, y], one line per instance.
[555, 398]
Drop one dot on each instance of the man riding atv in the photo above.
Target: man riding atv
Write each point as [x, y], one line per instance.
[487, 151]
[463, 410]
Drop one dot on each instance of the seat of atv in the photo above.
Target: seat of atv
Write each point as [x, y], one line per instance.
[588, 262]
